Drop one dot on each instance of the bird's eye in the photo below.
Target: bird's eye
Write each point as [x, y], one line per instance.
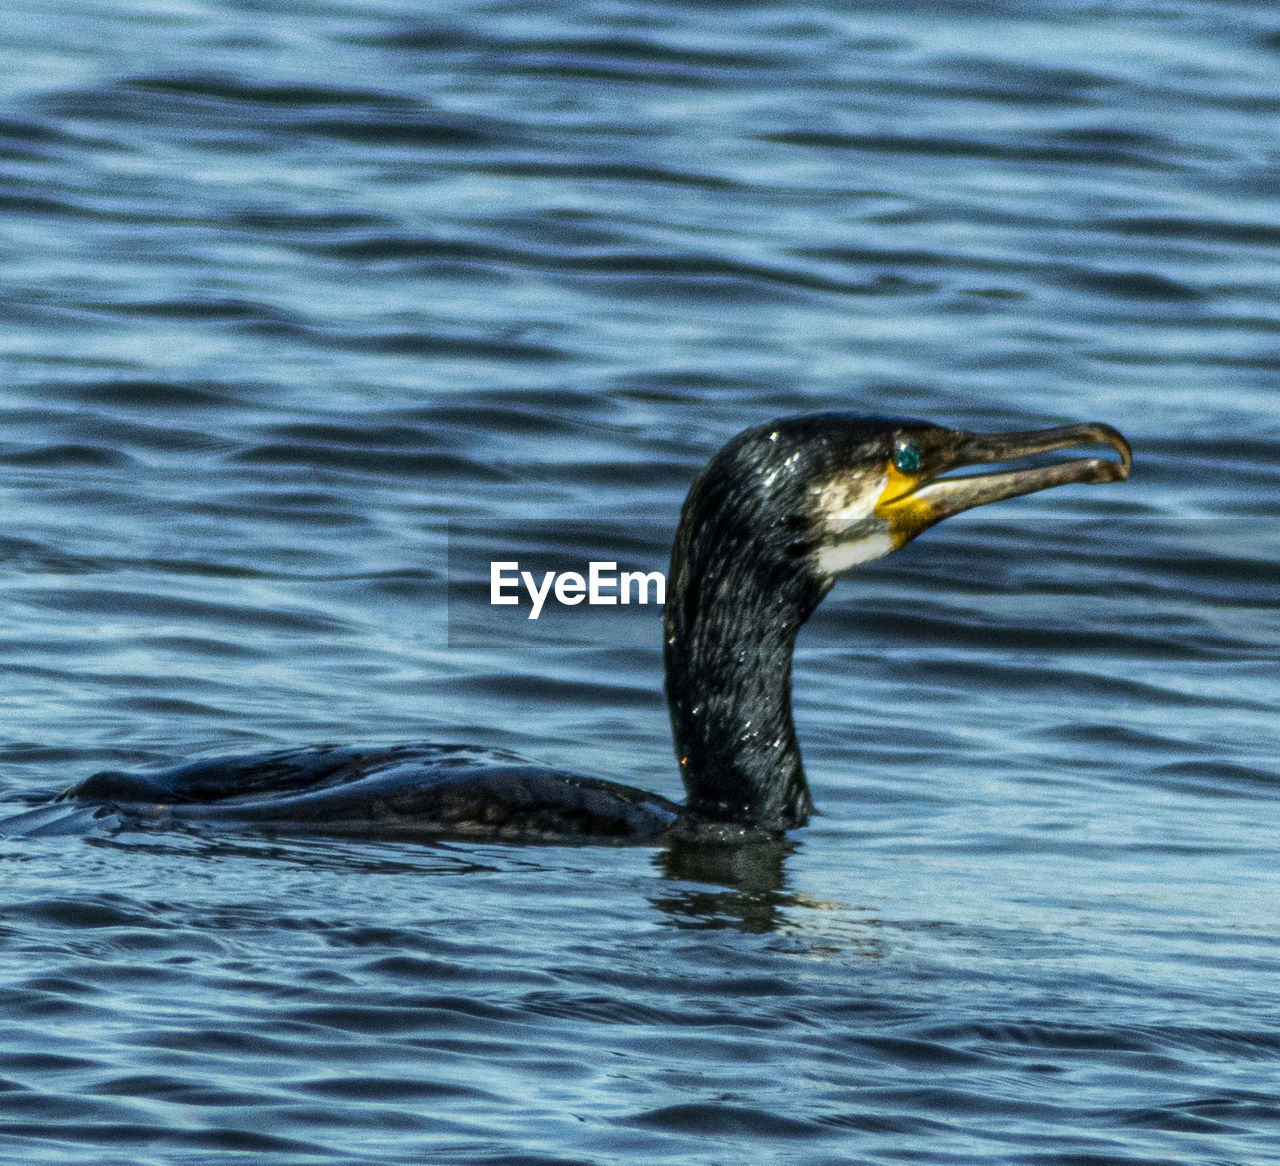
[906, 455]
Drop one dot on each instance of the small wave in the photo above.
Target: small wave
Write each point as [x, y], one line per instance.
[166, 105]
[428, 464]
[711, 1119]
[1199, 230]
[154, 394]
[197, 612]
[387, 1090]
[1221, 779]
[1131, 285]
[68, 457]
[1047, 151]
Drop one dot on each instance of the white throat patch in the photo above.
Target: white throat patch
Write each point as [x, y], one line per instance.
[835, 560]
[846, 510]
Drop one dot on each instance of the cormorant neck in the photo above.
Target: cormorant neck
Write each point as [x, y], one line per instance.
[731, 621]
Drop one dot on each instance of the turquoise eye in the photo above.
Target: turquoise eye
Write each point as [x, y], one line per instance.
[906, 456]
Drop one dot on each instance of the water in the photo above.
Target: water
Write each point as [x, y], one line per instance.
[292, 291]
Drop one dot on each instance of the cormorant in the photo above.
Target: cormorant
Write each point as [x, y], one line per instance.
[775, 517]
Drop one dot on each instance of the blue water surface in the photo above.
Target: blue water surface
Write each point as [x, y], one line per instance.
[295, 294]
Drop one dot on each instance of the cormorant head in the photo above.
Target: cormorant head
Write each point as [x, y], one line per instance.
[818, 495]
[875, 484]
[777, 515]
